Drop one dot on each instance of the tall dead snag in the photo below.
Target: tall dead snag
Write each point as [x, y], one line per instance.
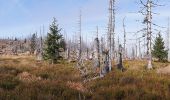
[124, 44]
[97, 52]
[40, 46]
[133, 53]
[68, 49]
[168, 36]
[40, 50]
[148, 13]
[80, 63]
[111, 36]
[139, 47]
[102, 57]
[80, 38]
[79, 42]
[87, 50]
[113, 29]
[120, 64]
[149, 32]
[148, 21]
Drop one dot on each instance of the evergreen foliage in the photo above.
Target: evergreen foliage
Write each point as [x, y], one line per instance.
[33, 43]
[159, 51]
[53, 43]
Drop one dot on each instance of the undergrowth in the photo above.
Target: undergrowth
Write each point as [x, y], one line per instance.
[135, 83]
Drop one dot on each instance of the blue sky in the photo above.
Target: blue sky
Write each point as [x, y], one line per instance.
[23, 17]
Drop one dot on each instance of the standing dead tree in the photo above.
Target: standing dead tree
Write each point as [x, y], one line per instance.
[80, 38]
[167, 35]
[80, 62]
[124, 44]
[149, 32]
[79, 42]
[97, 52]
[168, 40]
[148, 13]
[111, 35]
[40, 46]
[133, 53]
[87, 49]
[120, 64]
[139, 47]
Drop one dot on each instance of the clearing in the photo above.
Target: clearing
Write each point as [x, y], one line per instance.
[22, 78]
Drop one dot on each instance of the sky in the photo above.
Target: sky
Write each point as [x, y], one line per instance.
[20, 18]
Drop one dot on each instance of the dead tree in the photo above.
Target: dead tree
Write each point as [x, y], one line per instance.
[124, 44]
[148, 21]
[80, 38]
[120, 60]
[149, 32]
[68, 49]
[87, 49]
[39, 50]
[98, 48]
[111, 28]
[80, 63]
[139, 47]
[133, 53]
[144, 47]
[97, 52]
[102, 48]
[136, 47]
[168, 36]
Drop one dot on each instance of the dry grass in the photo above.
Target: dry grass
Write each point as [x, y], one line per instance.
[136, 83]
[22, 78]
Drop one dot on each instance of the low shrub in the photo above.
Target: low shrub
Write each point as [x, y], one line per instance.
[8, 82]
[119, 95]
[44, 75]
[128, 80]
[9, 70]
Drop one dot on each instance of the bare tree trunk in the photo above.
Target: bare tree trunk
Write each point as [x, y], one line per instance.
[168, 32]
[80, 38]
[110, 35]
[124, 50]
[149, 30]
[139, 49]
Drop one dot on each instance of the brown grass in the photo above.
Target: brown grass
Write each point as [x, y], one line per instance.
[22, 78]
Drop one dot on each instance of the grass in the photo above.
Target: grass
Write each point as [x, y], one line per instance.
[132, 84]
[63, 82]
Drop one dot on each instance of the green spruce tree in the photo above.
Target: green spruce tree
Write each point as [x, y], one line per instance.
[159, 51]
[33, 43]
[52, 43]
